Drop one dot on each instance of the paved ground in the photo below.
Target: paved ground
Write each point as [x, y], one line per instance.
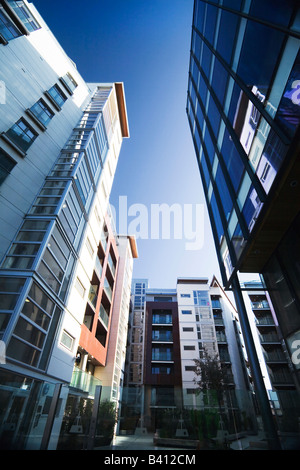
[145, 442]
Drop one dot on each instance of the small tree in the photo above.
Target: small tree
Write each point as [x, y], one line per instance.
[210, 378]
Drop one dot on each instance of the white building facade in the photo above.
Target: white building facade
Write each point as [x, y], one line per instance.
[60, 140]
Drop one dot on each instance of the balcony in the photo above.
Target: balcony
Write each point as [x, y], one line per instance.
[269, 338]
[162, 336]
[264, 320]
[162, 320]
[162, 355]
[84, 381]
[259, 305]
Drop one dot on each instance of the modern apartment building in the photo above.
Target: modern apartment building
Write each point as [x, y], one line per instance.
[243, 112]
[65, 275]
[179, 325]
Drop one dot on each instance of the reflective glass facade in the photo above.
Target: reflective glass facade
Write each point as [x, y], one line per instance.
[243, 111]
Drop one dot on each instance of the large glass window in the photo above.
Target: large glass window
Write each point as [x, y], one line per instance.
[259, 55]
[22, 134]
[224, 192]
[32, 329]
[228, 30]
[232, 160]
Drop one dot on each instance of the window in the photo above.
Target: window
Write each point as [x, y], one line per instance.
[185, 295]
[7, 28]
[189, 348]
[6, 165]
[190, 368]
[186, 312]
[24, 14]
[42, 112]
[22, 134]
[187, 328]
[57, 96]
[69, 82]
[67, 340]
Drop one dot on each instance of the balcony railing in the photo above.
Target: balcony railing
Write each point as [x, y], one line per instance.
[103, 315]
[161, 336]
[93, 295]
[263, 321]
[260, 304]
[98, 267]
[162, 319]
[111, 265]
[107, 290]
[84, 381]
[162, 356]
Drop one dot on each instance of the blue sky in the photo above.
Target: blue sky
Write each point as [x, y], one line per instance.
[146, 45]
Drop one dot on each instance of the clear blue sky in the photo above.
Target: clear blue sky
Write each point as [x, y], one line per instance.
[146, 45]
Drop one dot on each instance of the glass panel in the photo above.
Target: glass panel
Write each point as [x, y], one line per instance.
[227, 29]
[29, 333]
[22, 352]
[21, 134]
[34, 313]
[7, 28]
[6, 164]
[58, 96]
[24, 14]
[259, 55]
[42, 112]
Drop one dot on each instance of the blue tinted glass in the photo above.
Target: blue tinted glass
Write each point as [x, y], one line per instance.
[288, 114]
[227, 34]
[197, 42]
[232, 160]
[216, 217]
[199, 19]
[210, 23]
[202, 89]
[236, 94]
[219, 81]
[206, 60]
[205, 171]
[251, 208]
[259, 55]
[275, 11]
[200, 116]
[209, 145]
[224, 193]
[213, 116]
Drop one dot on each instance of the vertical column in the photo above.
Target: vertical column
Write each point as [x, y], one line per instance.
[261, 393]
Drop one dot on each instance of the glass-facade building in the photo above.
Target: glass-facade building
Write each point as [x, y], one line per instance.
[243, 112]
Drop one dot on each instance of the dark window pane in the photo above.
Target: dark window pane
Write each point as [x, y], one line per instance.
[217, 218]
[7, 28]
[232, 160]
[228, 29]
[224, 193]
[275, 11]
[259, 55]
[210, 23]
[6, 165]
[219, 81]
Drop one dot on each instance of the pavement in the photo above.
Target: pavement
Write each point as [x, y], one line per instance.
[145, 442]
